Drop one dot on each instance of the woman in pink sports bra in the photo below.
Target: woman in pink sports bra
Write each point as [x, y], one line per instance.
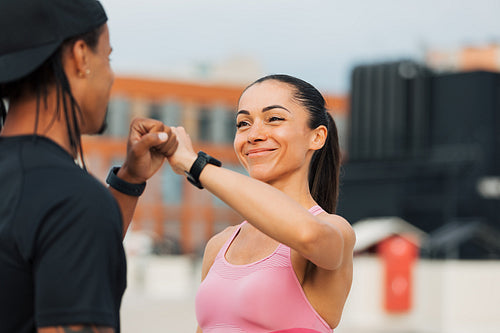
[288, 266]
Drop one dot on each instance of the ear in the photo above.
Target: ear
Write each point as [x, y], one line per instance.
[76, 60]
[318, 137]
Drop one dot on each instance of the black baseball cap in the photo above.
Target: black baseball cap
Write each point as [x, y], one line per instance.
[32, 30]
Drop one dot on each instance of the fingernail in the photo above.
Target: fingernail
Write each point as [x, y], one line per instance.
[163, 136]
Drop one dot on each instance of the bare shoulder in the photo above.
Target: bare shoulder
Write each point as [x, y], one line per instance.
[217, 241]
[213, 247]
[344, 227]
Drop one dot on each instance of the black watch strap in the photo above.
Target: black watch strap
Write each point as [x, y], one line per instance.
[122, 186]
[193, 176]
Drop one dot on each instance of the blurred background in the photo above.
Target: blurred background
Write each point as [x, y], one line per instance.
[414, 88]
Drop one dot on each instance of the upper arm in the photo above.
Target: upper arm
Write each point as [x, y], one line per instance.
[212, 249]
[331, 243]
[346, 230]
[76, 329]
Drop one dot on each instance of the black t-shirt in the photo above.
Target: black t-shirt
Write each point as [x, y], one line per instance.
[61, 255]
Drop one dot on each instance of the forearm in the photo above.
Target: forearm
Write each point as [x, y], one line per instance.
[126, 202]
[127, 206]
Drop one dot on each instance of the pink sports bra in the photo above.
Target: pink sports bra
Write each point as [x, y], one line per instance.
[263, 296]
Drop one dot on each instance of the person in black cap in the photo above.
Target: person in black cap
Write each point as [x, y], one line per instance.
[62, 263]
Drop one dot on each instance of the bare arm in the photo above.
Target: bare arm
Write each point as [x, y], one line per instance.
[320, 240]
[76, 329]
[127, 203]
[146, 151]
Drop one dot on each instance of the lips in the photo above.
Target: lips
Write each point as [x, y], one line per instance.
[259, 152]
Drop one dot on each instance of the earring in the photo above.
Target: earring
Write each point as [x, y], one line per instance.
[87, 71]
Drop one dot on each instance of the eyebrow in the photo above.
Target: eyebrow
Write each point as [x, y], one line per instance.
[267, 108]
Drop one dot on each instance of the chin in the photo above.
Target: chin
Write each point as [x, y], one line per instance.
[261, 175]
[103, 128]
[96, 130]
[100, 129]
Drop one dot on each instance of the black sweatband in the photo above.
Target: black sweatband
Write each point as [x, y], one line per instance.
[122, 186]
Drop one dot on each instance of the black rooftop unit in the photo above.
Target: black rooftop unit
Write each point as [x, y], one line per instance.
[422, 146]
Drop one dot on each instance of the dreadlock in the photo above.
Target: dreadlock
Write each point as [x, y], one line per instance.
[51, 73]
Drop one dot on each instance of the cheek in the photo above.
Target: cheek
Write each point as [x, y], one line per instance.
[296, 145]
[237, 145]
[238, 142]
[111, 75]
[107, 75]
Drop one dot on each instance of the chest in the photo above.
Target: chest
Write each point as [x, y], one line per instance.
[249, 247]
[265, 295]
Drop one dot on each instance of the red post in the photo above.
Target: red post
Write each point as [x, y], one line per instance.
[398, 254]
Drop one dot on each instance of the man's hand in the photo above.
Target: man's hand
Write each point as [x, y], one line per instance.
[149, 142]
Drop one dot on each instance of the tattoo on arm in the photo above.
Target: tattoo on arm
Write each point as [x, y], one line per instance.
[76, 329]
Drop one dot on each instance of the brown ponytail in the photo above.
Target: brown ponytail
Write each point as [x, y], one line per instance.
[324, 170]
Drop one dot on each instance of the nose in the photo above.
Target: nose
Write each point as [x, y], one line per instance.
[256, 132]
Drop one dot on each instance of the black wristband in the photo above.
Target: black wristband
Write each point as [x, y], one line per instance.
[193, 176]
[122, 186]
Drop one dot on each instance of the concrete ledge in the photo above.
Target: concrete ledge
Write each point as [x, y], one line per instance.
[448, 297]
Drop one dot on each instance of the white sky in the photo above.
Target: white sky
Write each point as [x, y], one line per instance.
[317, 40]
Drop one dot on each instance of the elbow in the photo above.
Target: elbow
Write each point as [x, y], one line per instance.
[335, 254]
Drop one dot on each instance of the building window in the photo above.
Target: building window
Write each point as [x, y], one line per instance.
[155, 111]
[171, 114]
[222, 125]
[204, 125]
[230, 126]
[118, 117]
[171, 185]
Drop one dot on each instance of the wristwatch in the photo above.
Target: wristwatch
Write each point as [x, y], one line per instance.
[193, 176]
[122, 186]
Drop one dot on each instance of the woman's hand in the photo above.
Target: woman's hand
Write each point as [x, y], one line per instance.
[184, 156]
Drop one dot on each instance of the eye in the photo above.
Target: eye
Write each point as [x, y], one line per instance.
[275, 118]
[241, 124]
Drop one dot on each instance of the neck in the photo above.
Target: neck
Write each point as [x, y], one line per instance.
[22, 120]
[296, 186]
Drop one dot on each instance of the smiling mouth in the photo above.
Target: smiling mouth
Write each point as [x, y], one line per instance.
[259, 152]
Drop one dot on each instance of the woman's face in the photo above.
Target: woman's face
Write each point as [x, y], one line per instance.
[97, 91]
[273, 138]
